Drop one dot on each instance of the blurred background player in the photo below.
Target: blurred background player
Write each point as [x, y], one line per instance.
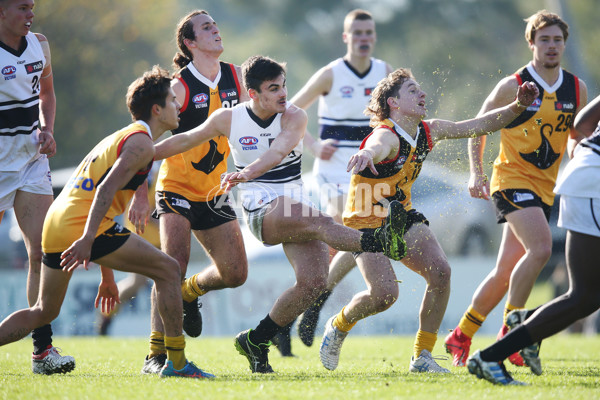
[26, 141]
[580, 215]
[189, 198]
[524, 173]
[383, 172]
[343, 88]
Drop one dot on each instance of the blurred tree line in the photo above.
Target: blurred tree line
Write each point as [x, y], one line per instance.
[458, 50]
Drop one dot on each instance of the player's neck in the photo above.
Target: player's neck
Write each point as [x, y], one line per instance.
[359, 63]
[409, 124]
[548, 74]
[207, 64]
[11, 40]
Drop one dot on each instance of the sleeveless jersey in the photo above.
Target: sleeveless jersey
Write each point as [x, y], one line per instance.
[341, 115]
[369, 194]
[196, 173]
[582, 174]
[19, 103]
[250, 137]
[532, 146]
[66, 218]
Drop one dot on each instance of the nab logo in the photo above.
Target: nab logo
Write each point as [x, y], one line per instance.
[346, 91]
[9, 70]
[227, 95]
[248, 140]
[34, 67]
[200, 98]
[564, 106]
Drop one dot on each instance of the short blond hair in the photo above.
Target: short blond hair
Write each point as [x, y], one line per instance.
[358, 14]
[378, 107]
[543, 19]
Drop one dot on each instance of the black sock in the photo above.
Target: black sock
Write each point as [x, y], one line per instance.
[42, 338]
[514, 341]
[370, 244]
[265, 331]
[320, 301]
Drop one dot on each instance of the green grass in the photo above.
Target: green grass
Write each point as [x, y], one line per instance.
[370, 368]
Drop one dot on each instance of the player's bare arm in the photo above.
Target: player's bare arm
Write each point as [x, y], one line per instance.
[381, 145]
[318, 85]
[136, 155]
[219, 123]
[488, 122]
[47, 102]
[575, 136]
[293, 125]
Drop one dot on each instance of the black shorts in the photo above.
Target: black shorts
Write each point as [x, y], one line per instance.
[509, 200]
[201, 214]
[412, 217]
[107, 242]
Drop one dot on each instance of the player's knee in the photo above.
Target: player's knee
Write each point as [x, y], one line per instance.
[541, 252]
[313, 285]
[384, 300]
[44, 314]
[235, 277]
[167, 269]
[439, 275]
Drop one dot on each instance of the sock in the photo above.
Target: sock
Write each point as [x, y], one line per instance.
[369, 243]
[190, 290]
[265, 331]
[507, 309]
[42, 339]
[320, 301]
[342, 323]
[157, 344]
[424, 341]
[176, 351]
[471, 322]
[514, 341]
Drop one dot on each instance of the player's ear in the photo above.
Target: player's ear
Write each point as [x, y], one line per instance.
[253, 94]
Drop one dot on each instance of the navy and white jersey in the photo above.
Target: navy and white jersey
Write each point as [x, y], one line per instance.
[19, 102]
[581, 176]
[250, 137]
[341, 116]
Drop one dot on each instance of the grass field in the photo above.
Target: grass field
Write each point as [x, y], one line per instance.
[370, 368]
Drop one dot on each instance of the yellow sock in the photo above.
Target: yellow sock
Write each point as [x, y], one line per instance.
[157, 344]
[342, 323]
[424, 341]
[471, 322]
[175, 350]
[507, 309]
[190, 290]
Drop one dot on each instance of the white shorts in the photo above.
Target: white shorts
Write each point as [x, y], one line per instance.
[32, 178]
[256, 197]
[580, 214]
[331, 175]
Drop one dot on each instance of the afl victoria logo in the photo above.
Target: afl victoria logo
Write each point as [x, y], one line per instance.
[248, 140]
[346, 91]
[200, 98]
[9, 70]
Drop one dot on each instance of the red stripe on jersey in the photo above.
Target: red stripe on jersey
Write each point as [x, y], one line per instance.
[187, 94]
[235, 78]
